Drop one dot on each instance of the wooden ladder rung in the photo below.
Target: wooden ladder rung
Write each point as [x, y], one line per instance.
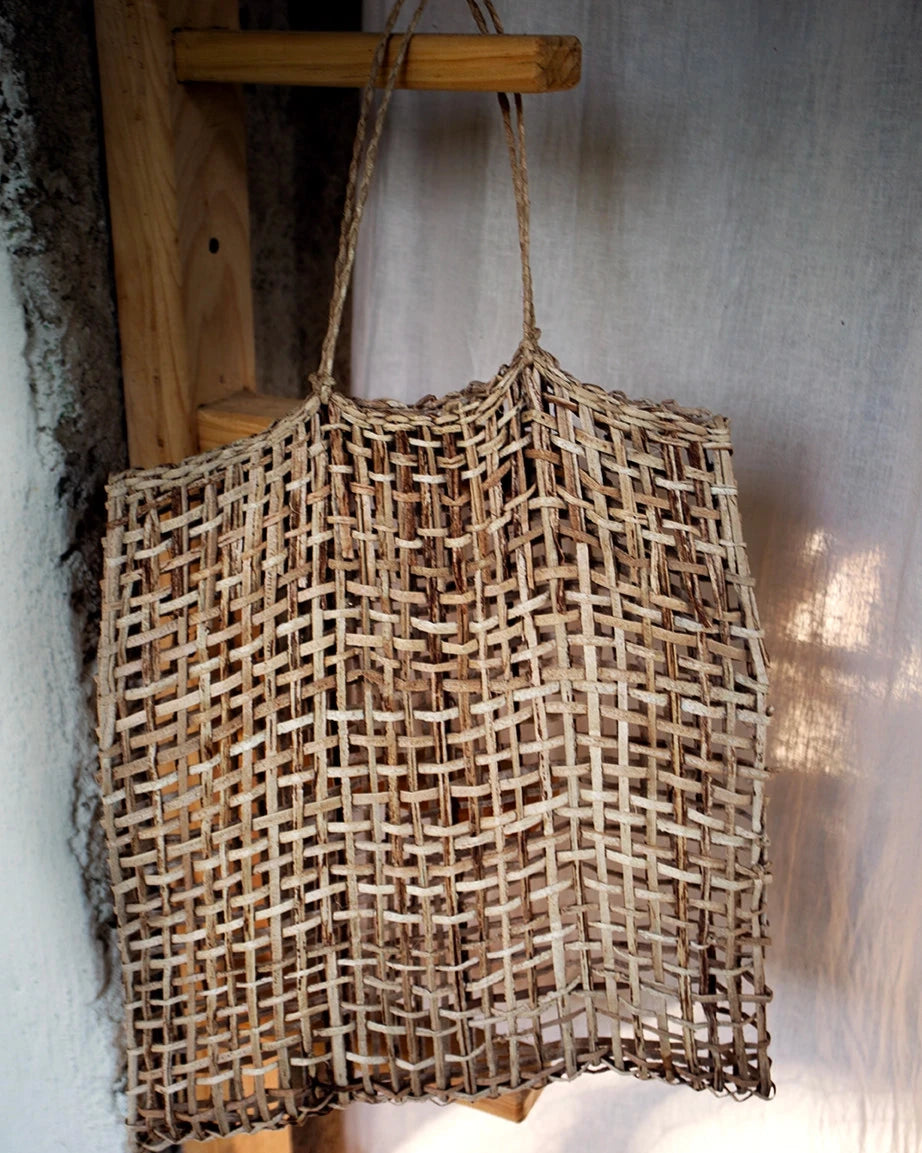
[513, 1107]
[343, 59]
[239, 415]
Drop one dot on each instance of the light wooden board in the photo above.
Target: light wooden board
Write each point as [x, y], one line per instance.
[135, 72]
[176, 165]
[277, 1141]
[214, 221]
[177, 181]
[243, 414]
[343, 60]
[511, 1106]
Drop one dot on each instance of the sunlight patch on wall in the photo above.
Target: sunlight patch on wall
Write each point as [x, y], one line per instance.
[841, 614]
[812, 732]
[825, 669]
[907, 683]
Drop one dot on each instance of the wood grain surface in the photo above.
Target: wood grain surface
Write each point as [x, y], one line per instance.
[243, 414]
[343, 59]
[135, 70]
[214, 223]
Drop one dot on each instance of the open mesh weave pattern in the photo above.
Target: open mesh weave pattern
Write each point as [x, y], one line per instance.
[432, 756]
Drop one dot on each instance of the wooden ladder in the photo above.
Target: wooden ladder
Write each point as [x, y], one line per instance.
[170, 75]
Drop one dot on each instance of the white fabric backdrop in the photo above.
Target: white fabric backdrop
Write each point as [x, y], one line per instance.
[727, 211]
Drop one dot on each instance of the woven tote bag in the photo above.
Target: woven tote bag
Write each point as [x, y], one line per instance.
[432, 747]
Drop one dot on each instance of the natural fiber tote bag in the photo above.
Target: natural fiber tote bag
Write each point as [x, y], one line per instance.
[432, 748]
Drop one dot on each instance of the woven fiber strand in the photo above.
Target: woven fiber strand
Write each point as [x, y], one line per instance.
[432, 746]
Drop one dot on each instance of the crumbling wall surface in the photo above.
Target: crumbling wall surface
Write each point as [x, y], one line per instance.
[61, 434]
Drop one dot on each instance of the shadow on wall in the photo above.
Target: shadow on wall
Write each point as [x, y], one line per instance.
[299, 143]
[845, 904]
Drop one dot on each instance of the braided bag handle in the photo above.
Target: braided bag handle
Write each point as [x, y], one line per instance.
[361, 171]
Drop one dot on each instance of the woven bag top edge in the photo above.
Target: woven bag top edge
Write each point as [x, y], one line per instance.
[472, 403]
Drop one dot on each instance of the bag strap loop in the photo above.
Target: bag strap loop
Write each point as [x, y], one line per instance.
[361, 169]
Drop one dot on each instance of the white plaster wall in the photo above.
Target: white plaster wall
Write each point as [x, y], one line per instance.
[58, 1059]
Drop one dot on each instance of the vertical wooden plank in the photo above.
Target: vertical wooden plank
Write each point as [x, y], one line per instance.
[513, 1107]
[176, 160]
[177, 173]
[323, 1134]
[214, 231]
[214, 220]
[135, 69]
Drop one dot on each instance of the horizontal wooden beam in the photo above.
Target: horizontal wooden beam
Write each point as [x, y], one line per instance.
[243, 414]
[343, 60]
